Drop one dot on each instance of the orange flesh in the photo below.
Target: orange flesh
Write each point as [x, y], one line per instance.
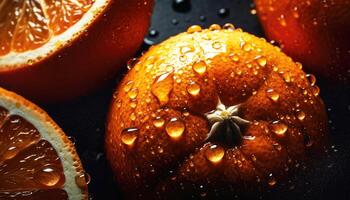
[28, 24]
[29, 166]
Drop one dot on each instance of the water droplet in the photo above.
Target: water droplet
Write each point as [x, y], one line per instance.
[223, 12]
[271, 180]
[300, 115]
[247, 47]
[214, 27]
[229, 26]
[253, 11]
[174, 21]
[234, 57]
[158, 122]
[278, 128]
[129, 135]
[133, 103]
[274, 96]
[132, 117]
[216, 45]
[186, 49]
[214, 153]
[261, 61]
[182, 5]
[194, 28]
[311, 78]
[315, 90]
[153, 33]
[200, 67]
[162, 87]
[253, 158]
[128, 86]
[202, 18]
[47, 176]
[133, 93]
[82, 180]
[193, 89]
[175, 128]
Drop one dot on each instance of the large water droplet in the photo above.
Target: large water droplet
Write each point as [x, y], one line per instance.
[162, 87]
[215, 153]
[200, 67]
[311, 78]
[82, 180]
[247, 47]
[300, 115]
[193, 89]
[182, 5]
[261, 61]
[215, 27]
[175, 128]
[47, 176]
[129, 135]
[279, 128]
[128, 86]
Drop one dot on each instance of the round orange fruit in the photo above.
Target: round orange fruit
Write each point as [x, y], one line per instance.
[209, 113]
[37, 160]
[313, 32]
[52, 51]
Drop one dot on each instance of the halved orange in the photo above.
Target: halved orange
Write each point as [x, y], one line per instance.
[56, 50]
[37, 160]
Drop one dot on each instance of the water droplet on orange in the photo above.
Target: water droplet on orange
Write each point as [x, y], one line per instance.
[193, 89]
[247, 47]
[194, 28]
[215, 153]
[129, 135]
[274, 96]
[315, 90]
[133, 103]
[162, 87]
[229, 26]
[133, 93]
[175, 128]
[47, 176]
[300, 115]
[128, 86]
[311, 78]
[261, 61]
[234, 57]
[133, 116]
[216, 45]
[186, 49]
[215, 27]
[200, 67]
[158, 122]
[82, 180]
[279, 128]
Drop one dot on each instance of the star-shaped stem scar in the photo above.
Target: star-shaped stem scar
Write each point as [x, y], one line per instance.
[226, 124]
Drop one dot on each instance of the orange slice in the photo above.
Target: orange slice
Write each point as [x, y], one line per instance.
[56, 50]
[37, 160]
[42, 25]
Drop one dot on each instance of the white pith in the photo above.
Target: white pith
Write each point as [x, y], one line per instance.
[49, 133]
[14, 59]
[222, 113]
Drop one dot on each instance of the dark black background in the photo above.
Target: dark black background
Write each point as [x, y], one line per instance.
[84, 119]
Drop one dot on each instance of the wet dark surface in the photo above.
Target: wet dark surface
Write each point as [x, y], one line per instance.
[84, 119]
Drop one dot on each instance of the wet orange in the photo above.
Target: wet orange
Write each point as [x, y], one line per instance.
[52, 51]
[220, 111]
[313, 32]
[37, 160]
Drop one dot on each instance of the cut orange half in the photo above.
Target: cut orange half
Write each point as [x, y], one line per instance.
[30, 30]
[55, 50]
[37, 160]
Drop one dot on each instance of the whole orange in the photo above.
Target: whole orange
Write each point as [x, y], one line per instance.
[210, 113]
[313, 32]
[59, 50]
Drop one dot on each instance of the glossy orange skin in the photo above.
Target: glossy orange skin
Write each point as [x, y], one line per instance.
[90, 62]
[313, 32]
[158, 166]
